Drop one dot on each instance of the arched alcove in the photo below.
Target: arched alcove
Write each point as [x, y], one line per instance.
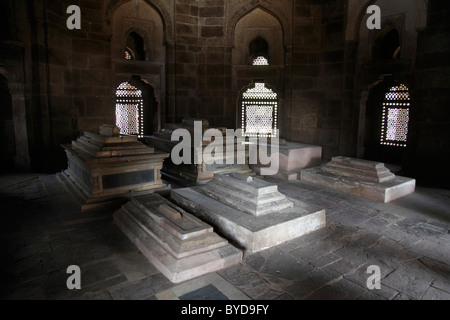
[258, 52]
[384, 124]
[259, 35]
[135, 47]
[138, 32]
[383, 56]
[258, 30]
[387, 45]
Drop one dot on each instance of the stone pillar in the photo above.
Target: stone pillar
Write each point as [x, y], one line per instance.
[22, 159]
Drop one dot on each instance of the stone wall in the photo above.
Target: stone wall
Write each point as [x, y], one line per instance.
[196, 64]
[430, 134]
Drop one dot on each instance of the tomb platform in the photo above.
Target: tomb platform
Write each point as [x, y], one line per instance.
[105, 168]
[250, 212]
[293, 157]
[196, 173]
[177, 243]
[363, 178]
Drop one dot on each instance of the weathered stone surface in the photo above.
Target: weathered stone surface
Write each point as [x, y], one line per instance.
[294, 157]
[242, 192]
[204, 171]
[363, 170]
[109, 130]
[252, 232]
[108, 168]
[178, 244]
[361, 178]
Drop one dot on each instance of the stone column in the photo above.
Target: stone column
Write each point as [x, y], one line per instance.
[22, 159]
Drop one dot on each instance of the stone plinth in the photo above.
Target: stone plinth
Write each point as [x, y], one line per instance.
[178, 244]
[239, 211]
[363, 178]
[104, 169]
[294, 157]
[253, 196]
[364, 170]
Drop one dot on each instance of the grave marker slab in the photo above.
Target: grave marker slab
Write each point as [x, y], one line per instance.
[177, 243]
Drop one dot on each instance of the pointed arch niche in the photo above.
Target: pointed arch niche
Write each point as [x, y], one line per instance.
[138, 50]
[388, 107]
[382, 56]
[258, 53]
[258, 27]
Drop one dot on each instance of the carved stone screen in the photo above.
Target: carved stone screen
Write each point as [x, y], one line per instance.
[395, 117]
[260, 61]
[259, 111]
[129, 110]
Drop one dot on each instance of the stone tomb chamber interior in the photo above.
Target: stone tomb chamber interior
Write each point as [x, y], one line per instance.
[89, 105]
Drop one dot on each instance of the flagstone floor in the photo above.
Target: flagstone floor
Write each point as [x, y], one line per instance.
[42, 232]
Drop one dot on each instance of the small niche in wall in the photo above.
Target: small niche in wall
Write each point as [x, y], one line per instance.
[387, 45]
[259, 52]
[135, 49]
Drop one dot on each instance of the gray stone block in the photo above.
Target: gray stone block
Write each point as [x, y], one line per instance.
[178, 244]
[385, 191]
[254, 233]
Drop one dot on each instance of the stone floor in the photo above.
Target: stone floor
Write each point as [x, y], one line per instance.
[42, 232]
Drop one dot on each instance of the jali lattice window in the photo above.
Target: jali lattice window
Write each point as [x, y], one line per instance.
[260, 61]
[259, 111]
[129, 110]
[395, 118]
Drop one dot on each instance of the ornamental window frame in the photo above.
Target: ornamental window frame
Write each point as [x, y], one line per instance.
[260, 61]
[259, 111]
[395, 117]
[129, 110]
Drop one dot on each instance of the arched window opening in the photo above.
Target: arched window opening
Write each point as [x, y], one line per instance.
[395, 117]
[259, 111]
[135, 49]
[387, 46]
[129, 110]
[390, 45]
[259, 52]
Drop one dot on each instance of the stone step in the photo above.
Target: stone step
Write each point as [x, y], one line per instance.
[253, 186]
[361, 174]
[222, 189]
[240, 197]
[359, 169]
[176, 269]
[254, 233]
[179, 248]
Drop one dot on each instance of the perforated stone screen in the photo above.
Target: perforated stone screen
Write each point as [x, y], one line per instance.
[129, 110]
[395, 117]
[260, 61]
[259, 111]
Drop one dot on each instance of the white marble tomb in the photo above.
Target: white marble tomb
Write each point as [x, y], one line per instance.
[363, 178]
[250, 212]
[292, 158]
[178, 244]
